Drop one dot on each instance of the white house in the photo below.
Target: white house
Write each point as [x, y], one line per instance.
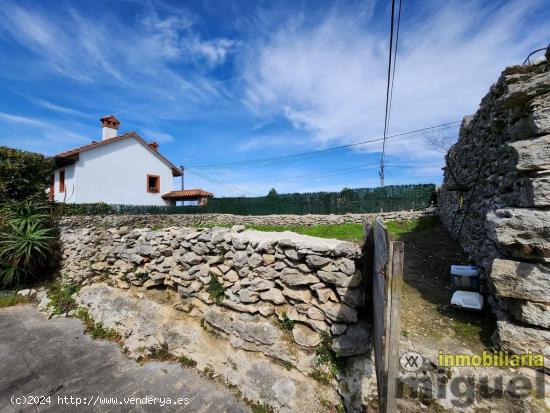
[118, 169]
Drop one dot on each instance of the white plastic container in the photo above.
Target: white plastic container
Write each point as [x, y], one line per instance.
[465, 277]
[464, 270]
[467, 299]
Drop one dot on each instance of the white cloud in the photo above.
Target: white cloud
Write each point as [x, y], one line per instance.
[329, 79]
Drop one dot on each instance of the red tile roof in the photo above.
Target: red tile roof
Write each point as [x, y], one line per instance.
[73, 153]
[187, 194]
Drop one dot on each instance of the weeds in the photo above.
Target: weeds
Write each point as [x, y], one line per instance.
[286, 323]
[187, 362]
[216, 290]
[61, 297]
[260, 408]
[160, 353]
[97, 330]
[11, 298]
[326, 356]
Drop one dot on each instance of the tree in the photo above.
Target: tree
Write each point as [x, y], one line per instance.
[439, 141]
[272, 193]
[24, 175]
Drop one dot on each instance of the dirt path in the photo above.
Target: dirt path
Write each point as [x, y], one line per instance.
[54, 358]
[426, 315]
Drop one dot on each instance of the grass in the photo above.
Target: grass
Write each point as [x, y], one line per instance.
[346, 232]
[10, 298]
[60, 296]
[414, 225]
[97, 330]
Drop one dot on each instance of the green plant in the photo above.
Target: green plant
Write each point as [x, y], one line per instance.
[208, 372]
[216, 290]
[98, 330]
[321, 376]
[24, 175]
[260, 408]
[61, 297]
[326, 356]
[160, 353]
[9, 298]
[286, 322]
[27, 242]
[187, 362]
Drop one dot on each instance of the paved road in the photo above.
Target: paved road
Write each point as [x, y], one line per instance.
[53, 357]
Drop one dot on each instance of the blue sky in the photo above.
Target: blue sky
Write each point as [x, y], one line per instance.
[228, 81]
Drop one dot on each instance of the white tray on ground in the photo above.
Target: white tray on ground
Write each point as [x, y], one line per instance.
[467, 299]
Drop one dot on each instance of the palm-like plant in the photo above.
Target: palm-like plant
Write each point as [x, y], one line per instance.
[27, 241]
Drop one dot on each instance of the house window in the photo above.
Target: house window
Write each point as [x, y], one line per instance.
[62, 180]
[153, 184]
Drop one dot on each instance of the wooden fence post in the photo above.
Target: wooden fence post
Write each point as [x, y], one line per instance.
[387, 282]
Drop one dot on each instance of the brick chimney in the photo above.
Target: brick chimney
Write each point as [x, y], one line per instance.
[109, 127]
[154, 146]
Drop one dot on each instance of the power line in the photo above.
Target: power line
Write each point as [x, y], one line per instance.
[231, 188]
[390, 83]
[447, 125]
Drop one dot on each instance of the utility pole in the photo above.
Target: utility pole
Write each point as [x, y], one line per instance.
[381, 173]
[182, 176]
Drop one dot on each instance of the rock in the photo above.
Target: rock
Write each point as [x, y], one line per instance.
[98, 266]
[273, 295]
[346, 265]
[521, 232]
[268, 259]
[259, 284]
[534, 192]
[224, 268]
[123, 284]
[533, 154]
[249, 329]
[326, 294]
[239, 243]
[299, 295]
[144, 249]
[520, 340]
[191, 258]
[240, 259]
[339, 278]
[522, 280]
[267, 272]
[536, 314]
[265, 309]
[255, 260]
[238, 228]
[231, 276]
[292, 254]
[354, 341]
[346, 249]
[315, 314]
[337, 329]
[247, 296]
[338, 312]
[317, 261]
[354, 297]
[305, 336]
[293, 277]
[151, 284]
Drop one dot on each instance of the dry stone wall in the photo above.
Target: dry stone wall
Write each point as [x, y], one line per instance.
[182, 220]
[500, 167]
[280, 294]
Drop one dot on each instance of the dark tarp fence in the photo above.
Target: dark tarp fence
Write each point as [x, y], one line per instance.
[360, 200]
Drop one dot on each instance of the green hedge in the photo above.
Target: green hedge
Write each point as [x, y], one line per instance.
[360, 200]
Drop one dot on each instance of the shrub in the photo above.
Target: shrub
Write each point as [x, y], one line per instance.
[24, 175]
[97, 208]
[27, 242]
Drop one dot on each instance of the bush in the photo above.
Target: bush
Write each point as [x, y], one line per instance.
[98, 208]
[27, 242]
[24, 175]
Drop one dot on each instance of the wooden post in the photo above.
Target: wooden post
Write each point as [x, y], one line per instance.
[387, 282]
[393, 325]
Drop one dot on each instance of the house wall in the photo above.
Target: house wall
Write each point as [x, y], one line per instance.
[69, 194]
[116, 174]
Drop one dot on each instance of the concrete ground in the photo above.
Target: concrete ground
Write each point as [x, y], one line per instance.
[42, 357]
